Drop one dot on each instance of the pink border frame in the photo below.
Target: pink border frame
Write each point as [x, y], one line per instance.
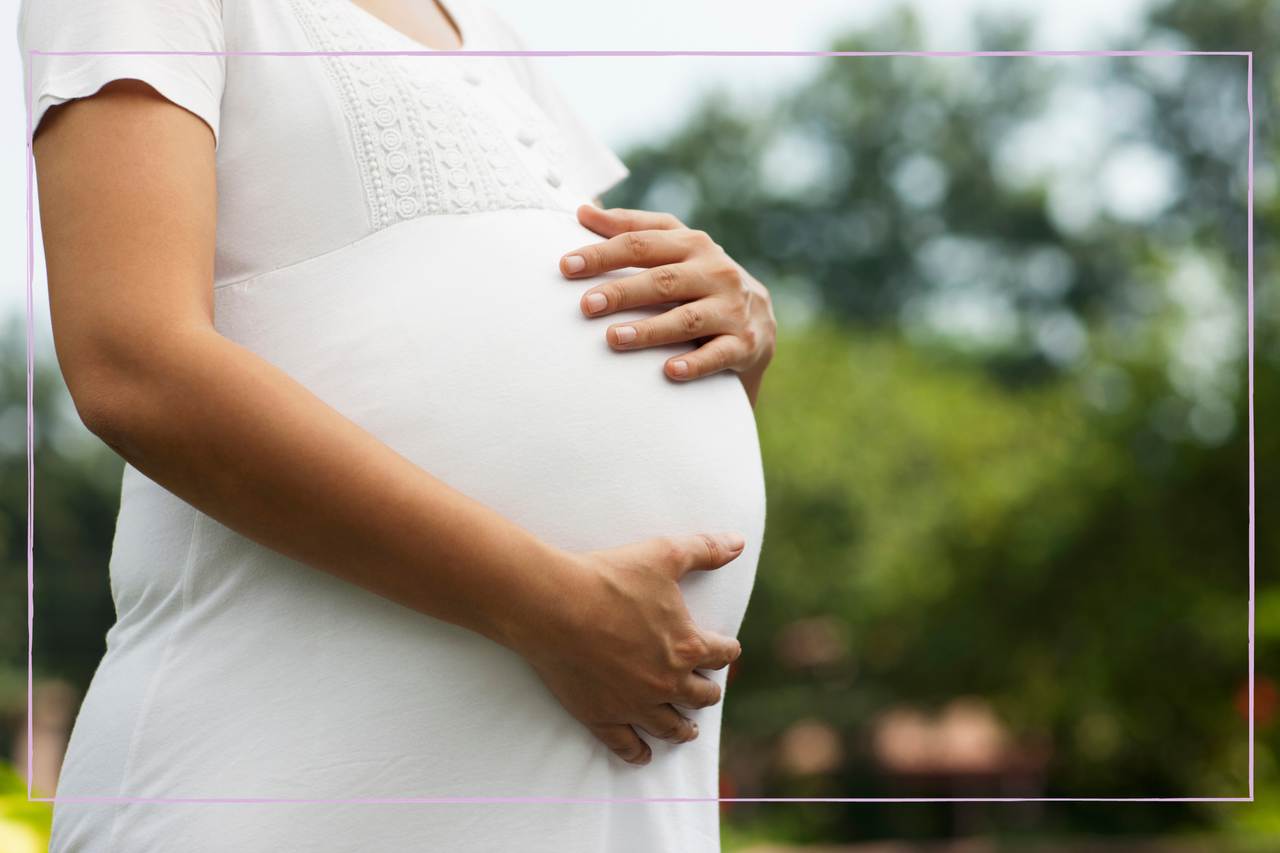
[31, 432]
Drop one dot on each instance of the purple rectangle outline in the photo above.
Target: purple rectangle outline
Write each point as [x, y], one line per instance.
[31, 430]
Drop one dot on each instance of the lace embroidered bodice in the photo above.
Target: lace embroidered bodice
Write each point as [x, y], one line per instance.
[434, 134]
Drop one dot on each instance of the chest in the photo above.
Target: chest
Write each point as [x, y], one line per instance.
[353, 132]
[423, 21]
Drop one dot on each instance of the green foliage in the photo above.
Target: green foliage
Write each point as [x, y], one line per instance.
[980, 540]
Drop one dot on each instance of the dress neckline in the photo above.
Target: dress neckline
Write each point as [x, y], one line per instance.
[446, 5]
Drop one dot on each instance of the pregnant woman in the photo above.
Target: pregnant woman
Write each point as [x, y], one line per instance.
[441, 482]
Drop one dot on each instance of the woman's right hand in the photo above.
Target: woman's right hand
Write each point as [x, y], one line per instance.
[622, 649]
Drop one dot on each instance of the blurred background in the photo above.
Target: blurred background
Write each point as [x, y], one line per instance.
[1005, 432]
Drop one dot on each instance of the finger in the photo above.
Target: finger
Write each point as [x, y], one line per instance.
[702, 318]
[699, 691]
[647, 248]
[666, 723]
[625, 743]
[720, 353]
[720, 652]
[615, 220]
[701, 551]
[674, 282]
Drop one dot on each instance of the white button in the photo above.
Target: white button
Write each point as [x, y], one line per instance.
[553, 177]
[472, 77]
[526, 136]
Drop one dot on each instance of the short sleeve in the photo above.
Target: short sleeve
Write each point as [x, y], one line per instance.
[599, 169]
[90, 27]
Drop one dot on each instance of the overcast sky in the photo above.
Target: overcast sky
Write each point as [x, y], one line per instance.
[625, 99]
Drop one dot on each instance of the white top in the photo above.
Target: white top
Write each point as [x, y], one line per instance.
[344, 257]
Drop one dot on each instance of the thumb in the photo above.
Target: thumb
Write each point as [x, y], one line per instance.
[705, 551]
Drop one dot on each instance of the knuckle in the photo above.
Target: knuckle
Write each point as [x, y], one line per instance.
[664, 283]
[714, 549]
[672, 730]
[636, 242]
[733, 279]
[617, 294]
[626, 751]
[721, 358]
[664, 684]
[691, 320]
[689, 650]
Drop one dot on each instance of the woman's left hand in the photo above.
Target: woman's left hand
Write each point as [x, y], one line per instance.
[723, 307]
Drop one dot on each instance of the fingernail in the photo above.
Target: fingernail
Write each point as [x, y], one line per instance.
[596, 301]
[695, 730]
[734, 541]
[574, 263]
[739, 654]
[625, 334]
[680, 367]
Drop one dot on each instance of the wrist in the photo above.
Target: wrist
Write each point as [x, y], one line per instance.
[551, 582]
[752, 377]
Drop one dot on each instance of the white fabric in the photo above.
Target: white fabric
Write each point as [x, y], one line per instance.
[389, 229]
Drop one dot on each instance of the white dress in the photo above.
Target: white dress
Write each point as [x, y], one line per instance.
[389, 231]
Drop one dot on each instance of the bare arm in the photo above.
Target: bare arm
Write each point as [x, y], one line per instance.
[128, 206]
[129, 242]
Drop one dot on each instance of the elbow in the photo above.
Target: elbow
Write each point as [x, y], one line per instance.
[128, 395]
[98, 401]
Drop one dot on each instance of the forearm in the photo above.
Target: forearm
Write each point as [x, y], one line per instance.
[244, 443]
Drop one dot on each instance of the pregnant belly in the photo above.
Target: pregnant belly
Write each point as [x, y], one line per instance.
[457, 342]
[237, 672]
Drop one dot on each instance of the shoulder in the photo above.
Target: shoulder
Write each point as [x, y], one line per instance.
[174, 46]
[116, 24]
